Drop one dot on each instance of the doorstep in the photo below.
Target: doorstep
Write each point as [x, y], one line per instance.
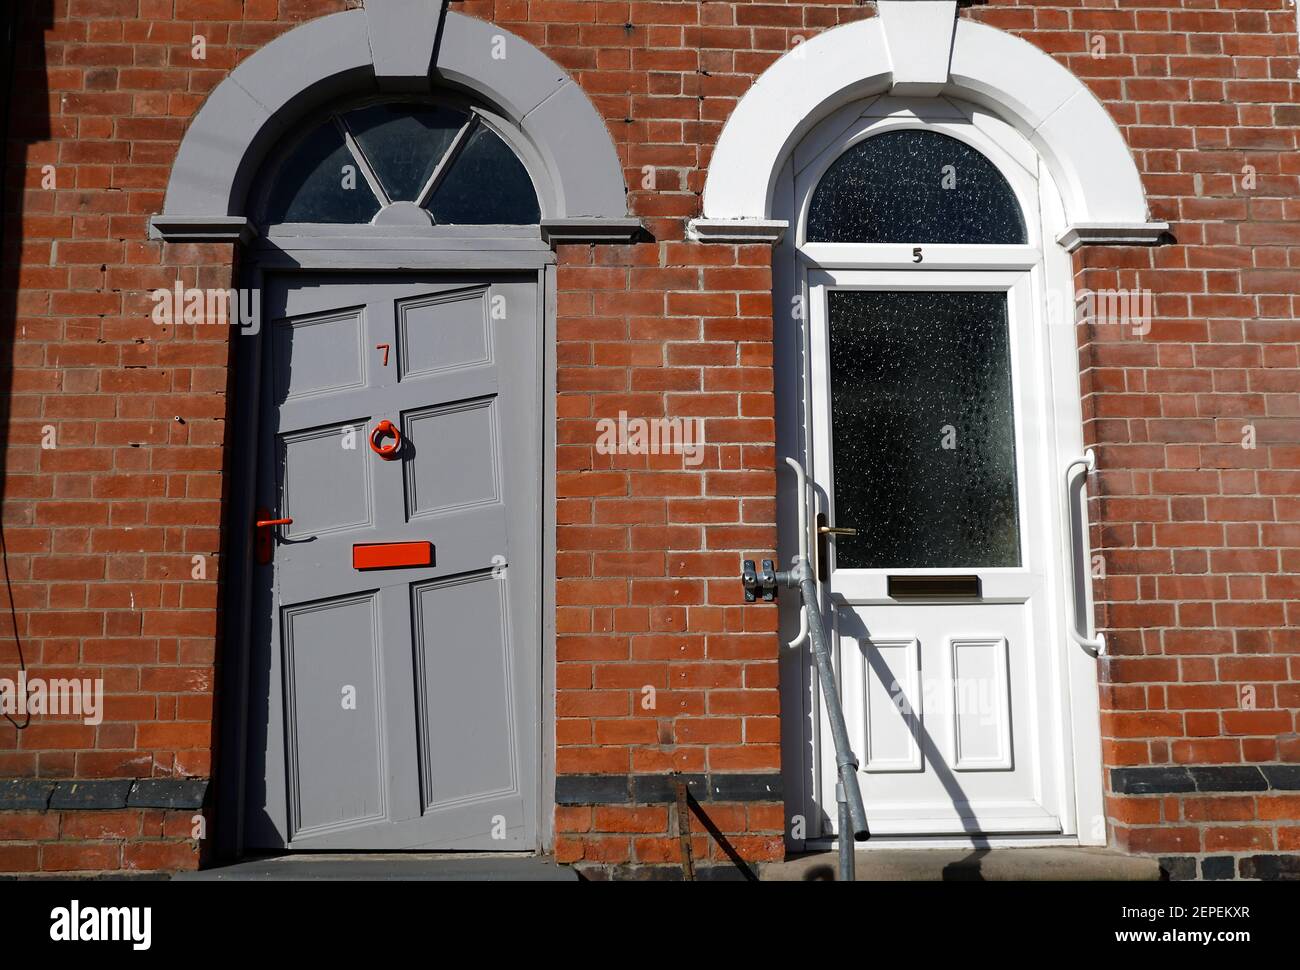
[394, 867]
[1054, 864]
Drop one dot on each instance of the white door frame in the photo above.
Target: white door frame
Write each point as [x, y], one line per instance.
[1044, 268]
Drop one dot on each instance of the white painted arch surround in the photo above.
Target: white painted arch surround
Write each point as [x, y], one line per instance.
[902, 51]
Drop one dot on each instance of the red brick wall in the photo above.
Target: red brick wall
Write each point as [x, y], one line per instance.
[649, 547]
[105, 841]
[101, 531]
[1200, 537]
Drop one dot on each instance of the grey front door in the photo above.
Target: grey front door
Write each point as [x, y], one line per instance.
[397, 632]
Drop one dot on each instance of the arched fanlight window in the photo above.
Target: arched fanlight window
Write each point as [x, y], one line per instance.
[402, 163]
[914, 186]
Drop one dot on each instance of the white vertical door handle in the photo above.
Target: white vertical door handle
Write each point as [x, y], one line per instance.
[1076, 472]
[801, 484]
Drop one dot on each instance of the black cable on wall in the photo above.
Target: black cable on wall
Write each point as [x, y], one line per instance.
[9, 53]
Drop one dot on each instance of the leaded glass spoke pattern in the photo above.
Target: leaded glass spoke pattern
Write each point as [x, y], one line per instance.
[404, 144]
[484, 160]
[320, 182]
[914, 186]
[445, 160]
[923, 431]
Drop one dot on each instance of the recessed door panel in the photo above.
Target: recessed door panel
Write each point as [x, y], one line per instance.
[318, 354]
[443, 332]
[332, 673]
[454, 464]
[893, 706]
[981, 703]
[326, 482]
[462, 670]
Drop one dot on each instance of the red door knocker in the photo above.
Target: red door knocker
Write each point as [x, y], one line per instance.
[385, 451]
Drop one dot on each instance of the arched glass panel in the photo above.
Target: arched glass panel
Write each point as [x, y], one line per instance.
[443, 159]
[914, 186]
[486, 185]
[404, 143]
[320, 182]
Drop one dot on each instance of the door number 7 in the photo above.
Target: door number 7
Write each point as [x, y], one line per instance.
[384, 348]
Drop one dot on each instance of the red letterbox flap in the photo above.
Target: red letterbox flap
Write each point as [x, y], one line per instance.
[390, 555]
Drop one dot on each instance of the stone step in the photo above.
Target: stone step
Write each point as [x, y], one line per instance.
[1004, 864]
[389, 866]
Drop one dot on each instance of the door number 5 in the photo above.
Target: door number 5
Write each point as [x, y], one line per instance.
[916, 255]
[384, 348]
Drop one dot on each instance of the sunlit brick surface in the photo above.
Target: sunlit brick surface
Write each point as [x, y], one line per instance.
[1200, 536]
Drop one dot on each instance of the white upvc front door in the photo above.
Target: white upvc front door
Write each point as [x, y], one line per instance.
[942, 625]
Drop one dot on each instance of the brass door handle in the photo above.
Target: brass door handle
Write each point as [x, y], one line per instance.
[824, 533]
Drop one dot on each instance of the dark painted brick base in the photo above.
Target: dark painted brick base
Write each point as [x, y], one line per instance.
[1270, 868]
[1213, 779]
[657, 789]
[36, 795]
[114, 827]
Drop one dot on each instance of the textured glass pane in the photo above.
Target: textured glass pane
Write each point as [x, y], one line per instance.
[321, 182]
[485, 185]
[914, 186]
[404, 143]
[922, 429]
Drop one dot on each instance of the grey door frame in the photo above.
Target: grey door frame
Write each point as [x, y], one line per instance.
[287, 249]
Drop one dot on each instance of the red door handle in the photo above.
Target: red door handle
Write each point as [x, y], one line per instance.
[262, 537]
[385, 451]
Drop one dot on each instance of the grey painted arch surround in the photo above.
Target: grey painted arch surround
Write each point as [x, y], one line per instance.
[357, 53]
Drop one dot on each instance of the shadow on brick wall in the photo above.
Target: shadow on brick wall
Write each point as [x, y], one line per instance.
[25, 121]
